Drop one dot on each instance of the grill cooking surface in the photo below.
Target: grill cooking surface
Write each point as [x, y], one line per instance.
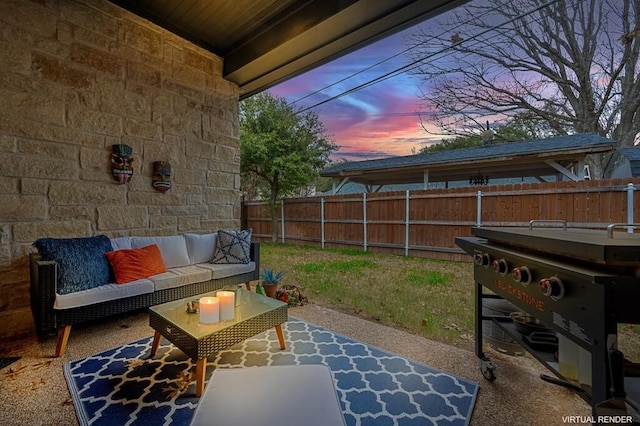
[590, 245]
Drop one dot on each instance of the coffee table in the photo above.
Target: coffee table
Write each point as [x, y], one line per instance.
[253, 314]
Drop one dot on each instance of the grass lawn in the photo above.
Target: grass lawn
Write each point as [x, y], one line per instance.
[429, 298]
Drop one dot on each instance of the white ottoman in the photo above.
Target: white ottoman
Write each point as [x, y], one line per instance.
[279, 395]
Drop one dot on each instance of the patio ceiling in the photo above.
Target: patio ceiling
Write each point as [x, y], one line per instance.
[265, 42]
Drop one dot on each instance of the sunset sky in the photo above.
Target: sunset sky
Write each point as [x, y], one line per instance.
[375, 122]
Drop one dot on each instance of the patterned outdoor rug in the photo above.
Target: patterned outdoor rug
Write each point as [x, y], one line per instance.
[123, 386]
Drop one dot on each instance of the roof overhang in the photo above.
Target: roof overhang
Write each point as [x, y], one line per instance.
[265, 42]
[516, 165]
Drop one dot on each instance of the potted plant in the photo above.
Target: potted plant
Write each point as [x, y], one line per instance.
[270, 280]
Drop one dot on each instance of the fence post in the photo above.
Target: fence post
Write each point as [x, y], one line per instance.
[282, 217]
[322, 221]
[479, 212]
[406, 225]
[630, 189]
[364, 219]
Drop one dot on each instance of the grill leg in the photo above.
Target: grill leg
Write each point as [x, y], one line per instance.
[487, 367]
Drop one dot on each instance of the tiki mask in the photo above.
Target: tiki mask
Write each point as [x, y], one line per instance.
[161, 179]
[121, 163]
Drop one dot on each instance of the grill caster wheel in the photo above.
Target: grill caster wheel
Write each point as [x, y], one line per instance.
[488, 369]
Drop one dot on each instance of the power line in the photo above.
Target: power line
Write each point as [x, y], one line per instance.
[417, 62]
[435, 37]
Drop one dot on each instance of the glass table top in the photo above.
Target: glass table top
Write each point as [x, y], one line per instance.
[250, 305]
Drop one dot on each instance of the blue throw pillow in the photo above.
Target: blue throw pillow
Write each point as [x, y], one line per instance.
[82, 263]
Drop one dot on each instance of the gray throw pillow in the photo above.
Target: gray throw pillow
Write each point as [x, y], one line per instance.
[233, 246]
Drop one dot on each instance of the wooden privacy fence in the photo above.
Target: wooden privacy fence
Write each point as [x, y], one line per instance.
[426, 222]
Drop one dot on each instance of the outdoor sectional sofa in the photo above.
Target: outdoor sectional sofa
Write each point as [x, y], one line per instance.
[69, 285]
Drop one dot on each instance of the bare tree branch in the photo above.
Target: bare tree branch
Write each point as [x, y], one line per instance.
[572, 64]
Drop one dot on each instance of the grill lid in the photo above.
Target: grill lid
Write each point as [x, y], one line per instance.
[604, 247]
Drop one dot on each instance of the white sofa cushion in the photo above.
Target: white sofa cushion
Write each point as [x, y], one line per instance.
[173, 249]
[120, 243]
[223, 270]
[177, 277]
[200, 247]
[103, 293]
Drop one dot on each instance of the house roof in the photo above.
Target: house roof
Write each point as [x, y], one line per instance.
[633, 155]
[264, 42]
[535, 158]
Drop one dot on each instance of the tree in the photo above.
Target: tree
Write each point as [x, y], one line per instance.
[571, 66]
[281, 151]
[517, 129]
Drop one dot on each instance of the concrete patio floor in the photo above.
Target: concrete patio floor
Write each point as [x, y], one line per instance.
[33, 390]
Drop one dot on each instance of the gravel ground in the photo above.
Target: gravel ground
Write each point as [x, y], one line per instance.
[33, 390]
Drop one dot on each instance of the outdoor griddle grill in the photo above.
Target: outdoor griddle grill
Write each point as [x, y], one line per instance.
[577, 284]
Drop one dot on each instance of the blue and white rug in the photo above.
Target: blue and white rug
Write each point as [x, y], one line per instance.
[122, 386]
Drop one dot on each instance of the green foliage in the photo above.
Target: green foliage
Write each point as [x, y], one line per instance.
[454, 143]
[520, 128]
[269, 276]
[280, 151]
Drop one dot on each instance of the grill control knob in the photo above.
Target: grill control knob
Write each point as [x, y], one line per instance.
[552, 287]
[482, 259]
[500, 266]
[521, 275]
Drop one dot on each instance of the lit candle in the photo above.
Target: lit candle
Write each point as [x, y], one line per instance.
[209, 310]
[227, 304]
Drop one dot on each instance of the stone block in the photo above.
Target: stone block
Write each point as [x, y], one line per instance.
[171, 152]
[98, 60]
[122, 217]
[221, 196]
[16, 323]
[47, 148]
[186, 210]
[205, 62]
[141, 37]
[36, 108]
[95, 121]
[116, 99]
[141, 129]
[163, 222]
[183, 125]
[29, 232]
[9, 185]
[81, 213]
[190, 177]
[86, 17]
[152, 197]
[15, 59]
[8, 143]
[216, 179]
[188, 223]
[5, 257]
[188, 76]
[34, 186]
[226, 154]
[86, 194]
[33, 17]
[55, 70]
[199, 149]
[14, 208]
[144, 74]
[182, 90]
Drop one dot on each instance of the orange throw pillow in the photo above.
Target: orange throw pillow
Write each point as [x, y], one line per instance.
[133, 264]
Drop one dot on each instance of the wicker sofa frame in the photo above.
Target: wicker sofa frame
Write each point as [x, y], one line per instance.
[48, 320]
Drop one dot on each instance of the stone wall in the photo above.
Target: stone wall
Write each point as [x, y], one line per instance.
[77, 77]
